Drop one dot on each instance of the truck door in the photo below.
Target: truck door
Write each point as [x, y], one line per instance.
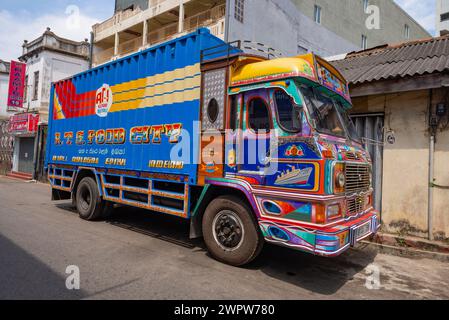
[255, 136]
[212, 123]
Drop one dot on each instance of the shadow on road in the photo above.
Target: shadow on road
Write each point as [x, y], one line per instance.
[24, 277]
[317, 274]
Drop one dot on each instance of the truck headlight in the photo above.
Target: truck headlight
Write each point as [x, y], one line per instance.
[340, 180]
[333, 211]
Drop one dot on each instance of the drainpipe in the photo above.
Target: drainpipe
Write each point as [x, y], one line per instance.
[431, 167]
[91, 49]
[227, 20]
[431, 173]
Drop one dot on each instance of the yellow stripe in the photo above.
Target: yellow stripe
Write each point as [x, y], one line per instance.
[157, 90]
[181, 73]
[169, 98]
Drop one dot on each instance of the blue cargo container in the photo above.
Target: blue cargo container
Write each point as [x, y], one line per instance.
[129, 113]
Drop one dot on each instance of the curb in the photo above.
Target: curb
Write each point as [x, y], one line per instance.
[410, 242]
[407, 252]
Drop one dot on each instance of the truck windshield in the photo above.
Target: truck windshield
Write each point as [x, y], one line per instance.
[328, 115]
[323, 112]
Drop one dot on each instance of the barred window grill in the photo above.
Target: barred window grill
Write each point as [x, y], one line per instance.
[6, 147]
[357, 178]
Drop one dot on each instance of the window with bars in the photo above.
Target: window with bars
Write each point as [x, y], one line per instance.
[239, 10]
[444, 16]
[407, 31]
[25, 90]
[36, 85]
[317, 14]
[364, 42]
[365, 5]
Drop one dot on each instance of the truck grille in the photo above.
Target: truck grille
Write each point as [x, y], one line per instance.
[355, 205]
[357, 178]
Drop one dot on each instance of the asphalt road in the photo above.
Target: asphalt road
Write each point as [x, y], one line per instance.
[142, 255]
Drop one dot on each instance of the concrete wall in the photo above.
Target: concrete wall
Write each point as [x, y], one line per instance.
[442, 7]
[406, 163]
[347, 18]
[279, 24]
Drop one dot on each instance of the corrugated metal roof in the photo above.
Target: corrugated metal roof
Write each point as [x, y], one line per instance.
[396, 61]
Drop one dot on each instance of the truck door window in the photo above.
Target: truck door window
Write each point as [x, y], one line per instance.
[259, 116]
[288, 113]
[233, 113]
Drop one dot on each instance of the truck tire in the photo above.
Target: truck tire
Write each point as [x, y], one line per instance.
[230, 231]
[89, 204]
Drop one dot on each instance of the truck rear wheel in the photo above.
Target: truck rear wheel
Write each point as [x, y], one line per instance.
[230, 231]
[89, 204]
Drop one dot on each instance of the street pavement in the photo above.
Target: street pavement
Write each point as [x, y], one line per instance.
[137, 254]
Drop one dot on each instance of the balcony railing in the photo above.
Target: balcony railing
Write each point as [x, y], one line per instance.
[205, 18]
[103, 56]
[214, 19]
[130, 46]
[154, 3]
[116, 19]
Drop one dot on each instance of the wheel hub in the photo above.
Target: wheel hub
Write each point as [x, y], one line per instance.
[228, 230]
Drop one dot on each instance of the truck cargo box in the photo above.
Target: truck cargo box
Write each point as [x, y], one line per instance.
[128, 114]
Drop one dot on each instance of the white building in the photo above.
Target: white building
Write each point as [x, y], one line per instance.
[442, 17]
[49, 58]
[326, 27]
[5, 111]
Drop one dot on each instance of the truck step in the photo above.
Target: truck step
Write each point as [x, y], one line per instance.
[20, 175]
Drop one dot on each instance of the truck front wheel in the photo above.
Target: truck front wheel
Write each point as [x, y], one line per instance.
[89, 204]
[230, 231]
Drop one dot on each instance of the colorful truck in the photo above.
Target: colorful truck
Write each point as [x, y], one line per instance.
[249, 149]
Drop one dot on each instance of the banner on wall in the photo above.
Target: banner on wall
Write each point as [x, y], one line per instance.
[23, 123]
[16, 84]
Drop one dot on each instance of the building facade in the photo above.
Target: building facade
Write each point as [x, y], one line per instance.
[326, 27]
[442, 17]
[6, 140]
[356, 20]
[401, 107]
[48, 58]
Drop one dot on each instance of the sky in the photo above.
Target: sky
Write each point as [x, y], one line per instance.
[73, 19]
